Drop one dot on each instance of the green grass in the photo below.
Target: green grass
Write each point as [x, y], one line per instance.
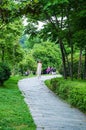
[14, 113]
[74, 92]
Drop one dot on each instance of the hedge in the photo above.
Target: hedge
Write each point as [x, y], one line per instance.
[74, 92]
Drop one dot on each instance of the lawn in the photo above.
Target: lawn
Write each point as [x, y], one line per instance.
[14, 113]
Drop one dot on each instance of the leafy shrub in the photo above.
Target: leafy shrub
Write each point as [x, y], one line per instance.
[4, 73]
[74, 92]
[77, 97]
[54, 83]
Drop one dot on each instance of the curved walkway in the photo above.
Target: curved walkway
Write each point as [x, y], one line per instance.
[48, 111]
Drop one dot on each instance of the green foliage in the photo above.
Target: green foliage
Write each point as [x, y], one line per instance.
[65, 21]
[48, 53]
[10, 49]
[11, 10]
[4, 73]
[80, 38]
[27, 64]
[64, 24]
[30, 42]
[31, 63]
[74, 92]
[10, 35]
[14, 113]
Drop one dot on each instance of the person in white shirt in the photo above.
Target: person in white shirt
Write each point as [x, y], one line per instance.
[39, 69]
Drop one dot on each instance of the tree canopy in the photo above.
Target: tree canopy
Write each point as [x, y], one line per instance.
[64, 26]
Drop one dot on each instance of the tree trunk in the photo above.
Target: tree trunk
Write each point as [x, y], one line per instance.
[70, 40]
[80, 64]
[63, 58]
[68, 65]
[71, 70]
[85, 65]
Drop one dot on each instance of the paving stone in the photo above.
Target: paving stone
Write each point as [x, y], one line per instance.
[48, 110]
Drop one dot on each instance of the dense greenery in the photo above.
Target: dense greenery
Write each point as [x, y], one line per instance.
[60, 43]
[48, 53]
[74, 92]
[10, 50]
[14, 114]
[4, 73]
[64, 24]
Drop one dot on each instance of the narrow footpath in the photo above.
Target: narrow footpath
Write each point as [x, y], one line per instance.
[48, 111]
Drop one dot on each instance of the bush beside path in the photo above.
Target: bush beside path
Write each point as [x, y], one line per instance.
[74, 92]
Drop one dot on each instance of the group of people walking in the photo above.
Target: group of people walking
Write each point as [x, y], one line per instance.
[49, 70]
[39, 71]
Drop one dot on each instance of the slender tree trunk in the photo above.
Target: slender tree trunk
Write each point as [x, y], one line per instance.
[14, 60]
[71, 70]
[63, 58]
[85, 65]
[80, 64]
[70, 41]
[68, 65]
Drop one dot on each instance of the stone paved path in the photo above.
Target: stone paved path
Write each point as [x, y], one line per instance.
[48, 111]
